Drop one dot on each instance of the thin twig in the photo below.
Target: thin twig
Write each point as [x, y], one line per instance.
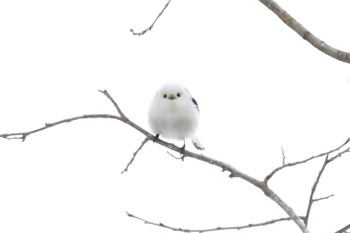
[173, 155]
[150, 27]
[251, 225]
[323, 198]
[134, 155]
[24, 135]
[313, 189]
[268, 177]
[338, 155]
[283, 157]
[122, 115]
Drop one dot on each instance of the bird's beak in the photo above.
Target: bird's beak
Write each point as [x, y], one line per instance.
[171, 97]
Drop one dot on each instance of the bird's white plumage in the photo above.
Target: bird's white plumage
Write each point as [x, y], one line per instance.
[174, 113]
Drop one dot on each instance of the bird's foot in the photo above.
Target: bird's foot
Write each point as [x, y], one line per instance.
[156, 137]
[182, 149]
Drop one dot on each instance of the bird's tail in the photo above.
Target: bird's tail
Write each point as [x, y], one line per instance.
[197, 143]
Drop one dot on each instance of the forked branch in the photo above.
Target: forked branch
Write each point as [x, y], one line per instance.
[233, 172]
[224, 166]
[273, 172]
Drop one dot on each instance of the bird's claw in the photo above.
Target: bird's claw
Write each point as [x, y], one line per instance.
[156, 137]
[182, 149]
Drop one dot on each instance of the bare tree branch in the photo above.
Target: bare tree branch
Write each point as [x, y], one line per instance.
[306, 34]
[224, 166]
[251, 225]
[150, 27]
[268, 177]
[344, 229]
[314, 187]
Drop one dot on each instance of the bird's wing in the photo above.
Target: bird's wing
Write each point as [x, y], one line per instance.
[195, 103]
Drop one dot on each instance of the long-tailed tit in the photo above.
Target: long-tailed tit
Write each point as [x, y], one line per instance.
[174, 114]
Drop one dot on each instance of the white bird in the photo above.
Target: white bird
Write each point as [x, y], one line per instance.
[174, 114]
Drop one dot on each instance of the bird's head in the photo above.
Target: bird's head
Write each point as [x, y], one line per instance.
[173, 92]
[174, 96]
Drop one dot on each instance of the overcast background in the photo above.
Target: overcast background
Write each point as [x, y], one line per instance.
[258, 84]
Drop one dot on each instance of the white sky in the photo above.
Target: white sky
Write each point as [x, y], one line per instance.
[258, 84]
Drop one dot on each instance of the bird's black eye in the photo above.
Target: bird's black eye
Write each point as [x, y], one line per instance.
[164, 96]
[178, 94]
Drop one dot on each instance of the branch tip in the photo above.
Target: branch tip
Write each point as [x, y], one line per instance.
[129, 215]
[134, 154]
